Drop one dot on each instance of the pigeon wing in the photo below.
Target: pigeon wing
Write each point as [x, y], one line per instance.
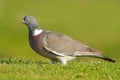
[62, 45]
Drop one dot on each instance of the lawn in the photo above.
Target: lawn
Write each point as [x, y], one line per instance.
[35, 69]
[94, 22]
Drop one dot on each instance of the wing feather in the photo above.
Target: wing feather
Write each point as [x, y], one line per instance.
[63, 45]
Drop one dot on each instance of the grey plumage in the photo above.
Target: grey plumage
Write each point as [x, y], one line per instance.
[56, 46]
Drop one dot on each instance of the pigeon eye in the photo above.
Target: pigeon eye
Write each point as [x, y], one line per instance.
[27, 19]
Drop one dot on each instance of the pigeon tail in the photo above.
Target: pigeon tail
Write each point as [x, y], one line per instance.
[96, 56]
[107, 59]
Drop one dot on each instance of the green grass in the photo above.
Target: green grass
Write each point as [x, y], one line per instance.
[34, 69]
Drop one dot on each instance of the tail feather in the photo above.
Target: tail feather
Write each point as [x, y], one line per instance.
[101, 56]
[107, 59]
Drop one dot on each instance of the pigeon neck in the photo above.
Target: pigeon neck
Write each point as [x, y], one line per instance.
[37, 32]
[34, 30]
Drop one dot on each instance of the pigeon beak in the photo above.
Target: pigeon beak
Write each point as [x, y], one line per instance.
[23, 22]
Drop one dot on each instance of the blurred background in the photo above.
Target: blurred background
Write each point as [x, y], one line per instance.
[94, 22]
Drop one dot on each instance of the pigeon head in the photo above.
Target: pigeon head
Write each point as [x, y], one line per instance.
[31, 23]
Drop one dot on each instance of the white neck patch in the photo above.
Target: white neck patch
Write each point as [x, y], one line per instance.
[37, 32]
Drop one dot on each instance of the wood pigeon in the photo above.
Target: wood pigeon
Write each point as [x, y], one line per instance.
[56, 46]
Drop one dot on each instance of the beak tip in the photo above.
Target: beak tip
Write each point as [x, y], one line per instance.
[23, 22]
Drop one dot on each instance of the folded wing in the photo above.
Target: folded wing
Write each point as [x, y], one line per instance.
[63, 45]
